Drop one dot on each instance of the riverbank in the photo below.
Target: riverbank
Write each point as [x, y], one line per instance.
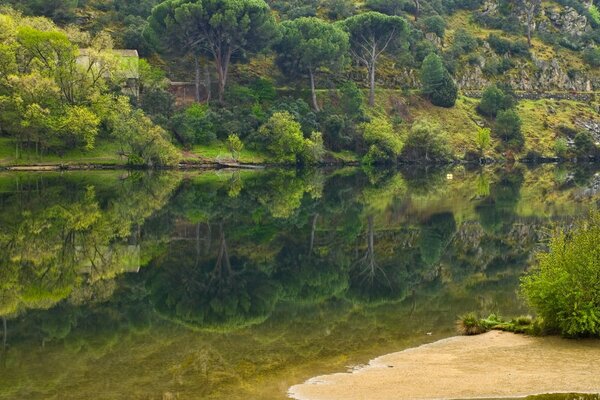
[492, 365]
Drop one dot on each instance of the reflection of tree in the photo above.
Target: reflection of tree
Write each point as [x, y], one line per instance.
[496, 211]
[72, 235]
[375, 281]
[222, 292]
[436, 234]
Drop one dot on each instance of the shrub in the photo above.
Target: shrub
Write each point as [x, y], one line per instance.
[503, 46]
[285, 142]
[351, 100]
[437, 82]
[194, 125]
[584, 143]
[483, 139]
[561, 147]
[508, 128]
[470, 324]
[564, 286]
[384, 144]
[339, 9]
[426, 141]
[592, 56]
[493, 101]
[234, 145]
[283, 136]
[435, 24]
[463, 42]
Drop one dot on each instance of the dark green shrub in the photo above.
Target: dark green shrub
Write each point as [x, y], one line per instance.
[339, 9]
[592, 56]
[463, 42]
[504, 46]
[194, 125]
[584, 143]
[494, 100]
[437, 83]
[435, 24]
[508, 128]
[351, 100]
[426, 141]
[564, 287]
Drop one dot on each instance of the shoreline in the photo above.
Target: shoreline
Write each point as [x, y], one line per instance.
[493, 365]
[215, 165]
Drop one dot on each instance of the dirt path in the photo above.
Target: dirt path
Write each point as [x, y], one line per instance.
[492, 365]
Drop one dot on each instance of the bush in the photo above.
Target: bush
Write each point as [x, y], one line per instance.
[435, 24]
[564, 287]
[463, 43]
[194, 125]
[561, 147]
[426, 141]
[384, 144]
[437, 82]
[592, 56]
[234, 145]
[283, 137]
[584, 143]
[508, 128]
[493, 101]
[503, 46]
[339, 9]
[351, 100]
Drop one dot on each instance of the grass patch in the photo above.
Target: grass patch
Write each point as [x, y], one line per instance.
[105, 152]
[472, 324]
[218, 150]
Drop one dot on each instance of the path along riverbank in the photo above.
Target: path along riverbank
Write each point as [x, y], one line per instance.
[493, 365]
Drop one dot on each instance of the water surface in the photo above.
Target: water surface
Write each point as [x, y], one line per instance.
[237, 285]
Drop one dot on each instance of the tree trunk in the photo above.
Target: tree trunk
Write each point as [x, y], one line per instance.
[528, 32]
[372, 86]
[197, 78]
[207, 82]
[312, 233]
[417, 9]
[312, 90]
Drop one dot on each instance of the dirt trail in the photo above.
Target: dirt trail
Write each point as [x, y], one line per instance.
[492, 365]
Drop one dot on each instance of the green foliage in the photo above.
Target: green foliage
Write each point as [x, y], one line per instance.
[351, 100]
[584, 143]
[561, 147]
[308, 44]
[339, 9]
[504, 46]
[464, 42]
[384, 144]
[234, 145]
[494, 100]
[426, 141]
[372, 34]
[591, 56]
[435, 24]
[437, 83]
[285, 142]
[195, 125]
[564, 286]
[229, 27]
[483, 139]
[508, 128]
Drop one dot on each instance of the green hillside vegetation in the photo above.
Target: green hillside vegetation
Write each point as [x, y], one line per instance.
[336, 69]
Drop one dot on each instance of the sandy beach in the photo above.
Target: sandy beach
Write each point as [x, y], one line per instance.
[492, 365]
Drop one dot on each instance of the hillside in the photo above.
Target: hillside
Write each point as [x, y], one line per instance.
[536, 64]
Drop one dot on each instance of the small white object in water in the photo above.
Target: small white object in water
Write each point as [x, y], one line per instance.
[429, 333]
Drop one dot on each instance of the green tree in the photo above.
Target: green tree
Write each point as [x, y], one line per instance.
[371, 35]
[220, 29]
[435, 24]
[309, 44]
[384, 144]
[284, 137]
[564, 286]
[483, 140]
[437, 83]
[426, 141]
[494, 100]
[508, 128]
[234, 145]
